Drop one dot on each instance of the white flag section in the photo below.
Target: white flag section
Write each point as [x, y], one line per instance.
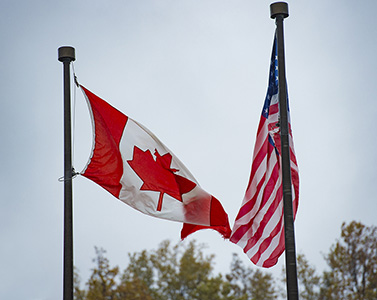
[136, 167]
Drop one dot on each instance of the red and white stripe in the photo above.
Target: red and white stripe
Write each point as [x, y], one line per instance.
[259, 226]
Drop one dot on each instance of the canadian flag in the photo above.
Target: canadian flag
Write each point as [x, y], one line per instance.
[132, 164]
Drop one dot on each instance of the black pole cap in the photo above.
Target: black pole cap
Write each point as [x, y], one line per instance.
[279, 8]
[66, 53]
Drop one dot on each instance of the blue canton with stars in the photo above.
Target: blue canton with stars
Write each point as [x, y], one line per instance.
[273, 82]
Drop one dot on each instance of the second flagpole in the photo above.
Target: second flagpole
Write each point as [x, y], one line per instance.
[279, 11]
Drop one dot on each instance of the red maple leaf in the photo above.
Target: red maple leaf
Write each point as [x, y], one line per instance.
[158, 176]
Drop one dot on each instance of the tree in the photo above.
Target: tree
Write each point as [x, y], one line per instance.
[179, 272]
[353, 265]
[137, 280]
[102, 284]
[78, 293]
[308, 280]
[262, 286]
[245, 283]
[183, 272]
[171, 272]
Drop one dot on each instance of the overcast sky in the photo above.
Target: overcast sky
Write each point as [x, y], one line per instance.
[195, 73]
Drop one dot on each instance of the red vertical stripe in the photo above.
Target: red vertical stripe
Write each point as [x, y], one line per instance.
[105, 166]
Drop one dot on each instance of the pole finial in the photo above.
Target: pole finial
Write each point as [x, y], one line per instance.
[66, 53]
[279, 8]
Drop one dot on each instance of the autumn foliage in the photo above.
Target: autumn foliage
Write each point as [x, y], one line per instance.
[182, 271]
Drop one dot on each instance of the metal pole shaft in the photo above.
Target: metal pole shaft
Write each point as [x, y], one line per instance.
[66, 55]
[280, 11]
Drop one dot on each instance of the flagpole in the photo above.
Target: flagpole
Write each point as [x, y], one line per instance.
[66, 55]
[279, 11]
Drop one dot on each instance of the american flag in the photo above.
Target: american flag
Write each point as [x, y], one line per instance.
[259, 226]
